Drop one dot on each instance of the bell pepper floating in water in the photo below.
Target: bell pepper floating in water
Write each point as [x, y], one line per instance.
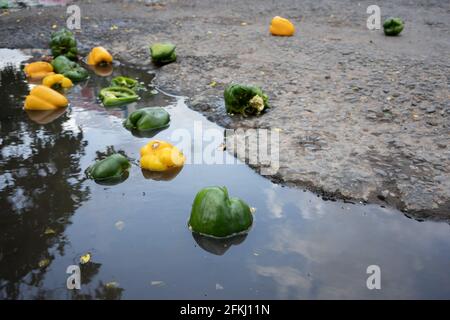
[161, 156]
[393, 26]
[56, 81]
[111, 169]
[246, 100]
[69, 69]
[163, 53]
[215, 214]
[38, 70]
[116, 96]
[44, 98]
[99, 56]
[63, 43]
[148, 119]
[126, 82]
[281, 27]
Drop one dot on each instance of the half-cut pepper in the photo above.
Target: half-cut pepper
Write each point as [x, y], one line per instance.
[44, 98]
[38, 70]
[115, 96]
[56, 81]
[126, 82]
[99, 55]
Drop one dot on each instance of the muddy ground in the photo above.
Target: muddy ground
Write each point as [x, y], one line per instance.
[362, 116]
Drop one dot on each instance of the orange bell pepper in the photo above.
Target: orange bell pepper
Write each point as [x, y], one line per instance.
[161, 156]
[99, 55]
[281, 27]
[44, 98]
[55, 80]
[38, 70]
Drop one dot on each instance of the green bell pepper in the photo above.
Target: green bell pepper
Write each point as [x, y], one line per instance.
[163, 53]
[111, 169]
[246, 100]
[126, 82]
[63, 43]
[148, 119]
[69, 69]
[215, 214]
[393, 26]
[117, 96]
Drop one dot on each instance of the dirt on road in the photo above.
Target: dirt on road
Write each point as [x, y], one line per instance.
[361, 116]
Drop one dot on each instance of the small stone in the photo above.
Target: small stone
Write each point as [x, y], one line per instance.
[431, 109]
[380, 172]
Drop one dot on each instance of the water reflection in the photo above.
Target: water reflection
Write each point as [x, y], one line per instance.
[45, 116]
[218, 246]
[328, 246]
[161, 175]
[39, 187]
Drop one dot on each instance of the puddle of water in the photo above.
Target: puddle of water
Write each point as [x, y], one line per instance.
[299, 247]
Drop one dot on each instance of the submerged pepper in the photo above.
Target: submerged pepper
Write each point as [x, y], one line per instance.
[56, 81]
[63, 43]
[148, 119]
[163, 53]
[38, 70]
[69, 69]
[126, 82]
[116, 96]
[99, 56]
[44, 98]
[281, 27]
[393, 26]
[215, 214]
[112, 168]
[246, 100]
[161, 156]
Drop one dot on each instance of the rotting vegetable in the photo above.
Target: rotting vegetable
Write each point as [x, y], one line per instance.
[57, 81]
[116, 96]
[63, 43]
[215, 214]
[99, 56]
[69, 69]
[163, 53]
[38, 70]
[393, 26]
[246, 100]
[149, 120]
[121, 81]
[160, 155]
[112, 169]
[44, 98]
[281, 27]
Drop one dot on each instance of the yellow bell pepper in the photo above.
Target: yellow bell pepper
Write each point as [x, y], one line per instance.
[38, 70]
[57, 80]
[99, 55]
[44, 98]
[161, 156]
[281, 27]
